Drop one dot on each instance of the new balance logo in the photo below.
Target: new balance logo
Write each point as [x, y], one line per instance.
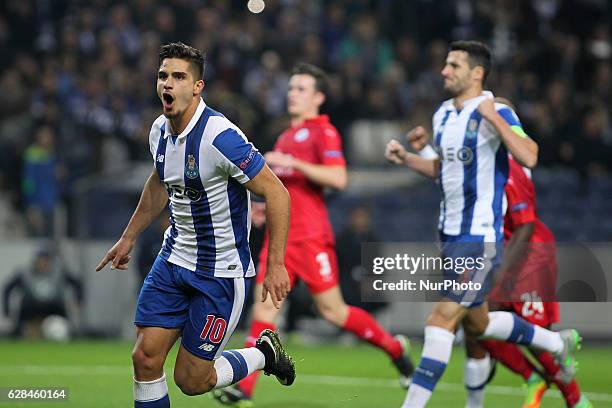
[207, 347]
[160, 158]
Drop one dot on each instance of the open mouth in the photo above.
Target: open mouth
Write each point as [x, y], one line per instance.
[168, 100]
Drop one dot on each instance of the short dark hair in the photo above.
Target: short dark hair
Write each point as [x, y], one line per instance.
[184, 52]
[303, 68]
[478, 55]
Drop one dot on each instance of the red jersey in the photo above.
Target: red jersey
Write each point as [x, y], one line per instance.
[534, 278]
[520, 194]
[315, 141]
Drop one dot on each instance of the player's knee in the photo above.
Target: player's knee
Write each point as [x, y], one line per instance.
[334, 315]
[144, 361]
[441, 320]
[475, 328]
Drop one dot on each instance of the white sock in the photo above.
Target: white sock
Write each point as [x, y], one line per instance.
[509, 327]
[147, 391]
[234, 365]
[436, 354]
[547, 340]
[475, 374]
[500, 325]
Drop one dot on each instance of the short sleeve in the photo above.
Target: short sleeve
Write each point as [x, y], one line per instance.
[513, 121]
[238, 156]
[155, 135]
[329, 147]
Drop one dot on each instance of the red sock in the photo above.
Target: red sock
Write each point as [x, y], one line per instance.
[571, 391]
[510, 355]
[247, 385]
[363, 325]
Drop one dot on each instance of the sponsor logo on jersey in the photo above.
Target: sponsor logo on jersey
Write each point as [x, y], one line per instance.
[191, 168]
[160, 158]
[301, 135]
[465, 155]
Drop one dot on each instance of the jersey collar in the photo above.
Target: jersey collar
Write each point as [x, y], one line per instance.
[449, 105]
[191, 124]
[477, 99]
[319, 119]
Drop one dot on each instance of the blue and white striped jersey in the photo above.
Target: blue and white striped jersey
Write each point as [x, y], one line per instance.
[203, 170]
[473, 169]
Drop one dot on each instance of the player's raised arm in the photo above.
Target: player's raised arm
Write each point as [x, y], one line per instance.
[397, 154]
[522, 147]
[268, 186]
[152, 201]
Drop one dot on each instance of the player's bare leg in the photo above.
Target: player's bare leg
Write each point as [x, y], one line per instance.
[193, 375]
[332, 308]
[148, 357]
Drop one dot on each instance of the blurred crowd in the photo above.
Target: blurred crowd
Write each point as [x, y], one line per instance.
[79, 77]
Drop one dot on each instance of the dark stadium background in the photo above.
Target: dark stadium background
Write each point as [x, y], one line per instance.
[78, 98]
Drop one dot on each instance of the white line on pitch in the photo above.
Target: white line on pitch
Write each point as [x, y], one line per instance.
[306, 378]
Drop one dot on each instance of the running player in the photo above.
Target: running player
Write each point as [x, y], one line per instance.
[206, 167]
[473, 136]
[308, 157]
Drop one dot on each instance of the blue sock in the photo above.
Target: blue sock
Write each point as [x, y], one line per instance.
[151, 394]
[435, 357]
[164, 402]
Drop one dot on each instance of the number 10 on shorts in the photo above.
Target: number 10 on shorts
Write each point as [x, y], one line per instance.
[214, 329]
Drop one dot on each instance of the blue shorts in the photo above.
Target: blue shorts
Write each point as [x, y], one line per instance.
[486, 258]
[207, 309]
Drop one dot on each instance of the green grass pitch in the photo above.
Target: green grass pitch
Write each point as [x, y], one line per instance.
[98, 374]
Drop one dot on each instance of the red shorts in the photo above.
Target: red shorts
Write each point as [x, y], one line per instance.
[541, 313]
[533, 279]
[312, 261]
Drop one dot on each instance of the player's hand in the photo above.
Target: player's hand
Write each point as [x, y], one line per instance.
[118, 255]
[279, 159]
[487, 108]
[418, 138]
[276, 284]
[395, 152]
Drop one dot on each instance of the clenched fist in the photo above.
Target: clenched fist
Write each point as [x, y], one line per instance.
[395, 152]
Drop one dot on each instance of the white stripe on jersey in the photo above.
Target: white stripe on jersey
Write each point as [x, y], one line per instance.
[203, 170]
[472, 175]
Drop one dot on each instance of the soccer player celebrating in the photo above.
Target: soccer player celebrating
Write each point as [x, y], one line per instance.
[308, 157]
[205, 167]
[473, 136]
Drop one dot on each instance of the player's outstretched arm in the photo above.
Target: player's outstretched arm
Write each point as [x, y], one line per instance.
[521, 147]
[152, 201]
[278, 202]
[334, 176]
[397, 154]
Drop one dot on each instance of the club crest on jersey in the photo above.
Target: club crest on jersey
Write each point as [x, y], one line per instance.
[472, 129]
[191, 168]
[301, 135]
